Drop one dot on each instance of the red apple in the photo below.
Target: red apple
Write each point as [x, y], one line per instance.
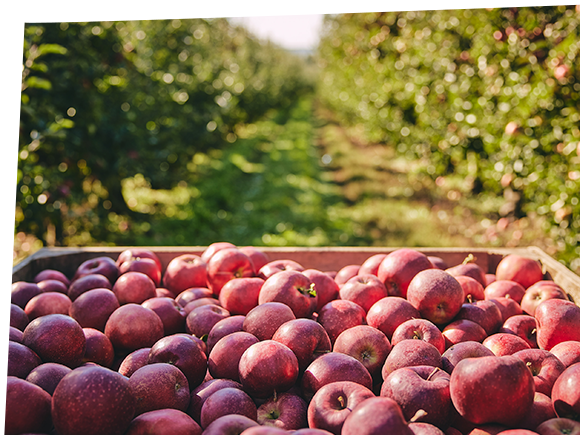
[388, 313]
[540, 411]
[545, 368]
[200, 394]
[523, 270]
[419, 428]
[505, 288]
[470, 269]
[147, 266]
[200, 321]
[522, 325]
[558, 320]
[259, 258]
[264, 320]
[276, 266]
[18, 317]
[292, 288]
[472, 289]
[534, 296]
[172, 315]
[462, 330]
[52, 285]
[438, 262]
[27, 408]
[436, 295]
[224, 359]
[267, 367]
[22, 292]
[134, 253]
[306, 338]
[502, 344]
[364, 290]
[86, 283]
[231, 424]
[409, 353]
[102, 265]
[21, 360]
[285, 411]
[333, 403]
[164, 422]
[326, 288]
[93, 308]
[371, 265]
[184, 272]
[485, 313]
[213, 248]
[567, 351]
[227, 401]
[508, 307]
[566, 393]
[419, 329]
[192, 305]
[399, 267]
[192, 294]
[135, 360]
[376, 415]
[492, 389]
[15, 335]
[47, 303]
[99, 348]
[346, 273]
[48, 375]
[222, 328]
[132, 326]
[338, 315]
[93, 400]
[559, 426]
[240, 295]
[462, 350]
[51, 274]
[225, 265]
[134, 287]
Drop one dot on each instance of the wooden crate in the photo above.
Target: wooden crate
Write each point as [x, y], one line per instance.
[323, 258]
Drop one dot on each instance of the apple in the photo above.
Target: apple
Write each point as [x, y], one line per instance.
[259, 258]
[540, 411]
[371, 265]
[164, 421]
[410, 353]
[184, 272]
[338, 315]
[184, 353]
[15, 335]
[267, 367]
[134, 287]
[522, 325]
[420, 388]
[27, 408]
[462, 350]
[292, 288]
[566, 393]
[93, 308]
[472, 289]
[99, 348]
[367, 344]
[48, 375]
[534, 296]
[93, 400]
[52, 274]
[345, 273]
[567, 351]
[488, 429]
[545, 367]
[225, 265]
[192, 294]
[558, 320]
[132, 326]
[264, 430]
[306, 338]
[172, 315]
[47, 303]
[138, 253]
[399, 267]
[200, 394]
[326, 287]
[198, 303]
[222, 328]
[52, 285]
[438, 262]
[147, 266]
[240, 295]
[333, 367]
[376, 415]
[22, 292]
[508, 307]
[18, 317]
[135, 360]
[56, 338]
[100, 265]
[485, 313]
[388, 313]
[505, 288]
[86, 283]
[286, 411]
[333, 403]
[419, 428]
[462, 330]
[468, 268]
[436, 295]
[213, 248]
[265, 319]
[559, 426]
[21, 360]
[492, 389]
[502, 344]
[231, 424]
[201, 320]
[364, 290]
[227, 401]
[275, 266]
[523, 270]
[419, 329]
[158, 386]
[224, 359]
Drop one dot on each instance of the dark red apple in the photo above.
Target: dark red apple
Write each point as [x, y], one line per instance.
[388, 313]
[231, 424]
[267, 367]
[99, 348]
[224, 359]
[200, 321]
[472, 289]
[399, 267]
[264, 320]
[540, 411]
[462, 350]
[508, 307]
[135, 360]
[376, 415]
[27, 408]
[492, 389]
[172, 315]
[240, 295]
[326, 287]
[52, 285]
[166, 421]
[505, 288]
[259, 258]
[345, 273]
[56, 338]
[559, 426]
[436, 295]
[198, 303]
[545, 367]
[184, 272]
[134, 253]
[200, 394]
[419, 428]
[338, 315]
[275, 266]
[567, 351]
[47, 303]
[148, 266]
[22, 292]
[410, 353]
[558, 320]
[523, 270]
[534, 296]
[192, 294]
[371, 265]
[227, 401]
[18, 317]
[226, 326]
[469, 268]
[522, 325]
[225, 265]
[419, 329]
[333, 403]
[102, 265]
[285, 411]
[134, 288]
[566, 393]
[438, 262]
[292, 288]
[159, 386]
[502, 344]
[462, 330]
[485, 313]
[86, 283]
[93, 400]
[52, 274]
[93, 308]
[306, 338]
[15, 335]
[132, 326]
[364, 290]
[21, 360]
[48, 375]
[333, 367]
[213, 248]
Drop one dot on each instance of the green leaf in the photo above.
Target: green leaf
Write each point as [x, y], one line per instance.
[50, 48]
[37, 82]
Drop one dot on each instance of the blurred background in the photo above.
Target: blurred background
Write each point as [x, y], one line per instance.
[419, 128]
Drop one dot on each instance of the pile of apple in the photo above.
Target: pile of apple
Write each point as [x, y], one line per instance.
[230, 342]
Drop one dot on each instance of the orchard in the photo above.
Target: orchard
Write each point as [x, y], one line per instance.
[234, 342]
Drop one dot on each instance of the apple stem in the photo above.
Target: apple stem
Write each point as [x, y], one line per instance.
[432, 373]
[469, 259]
[470, 298]
[310, 290]
[420, 413]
